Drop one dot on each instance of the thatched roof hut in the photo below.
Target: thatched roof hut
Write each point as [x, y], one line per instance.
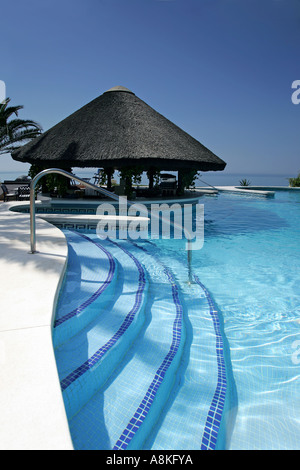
[118, 129]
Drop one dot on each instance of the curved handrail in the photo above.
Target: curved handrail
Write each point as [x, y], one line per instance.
[32, 197]
[96, 188]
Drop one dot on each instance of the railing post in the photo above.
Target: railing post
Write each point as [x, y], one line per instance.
[189, 261]
[32, 218]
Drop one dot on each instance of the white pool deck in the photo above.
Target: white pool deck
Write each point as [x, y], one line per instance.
[32, 413]
[240, 190]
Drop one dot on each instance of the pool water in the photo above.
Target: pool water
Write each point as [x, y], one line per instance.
[250, 261]
[147, 361]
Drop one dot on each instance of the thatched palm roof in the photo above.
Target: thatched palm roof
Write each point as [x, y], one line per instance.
[118, 129]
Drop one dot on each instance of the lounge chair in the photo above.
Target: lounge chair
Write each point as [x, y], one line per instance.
[7, 194]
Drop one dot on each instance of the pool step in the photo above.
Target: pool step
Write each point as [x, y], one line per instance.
[122, 412]
[90, 280]
[204, 384]
[160, 381]
[88, 358]
[203, 404]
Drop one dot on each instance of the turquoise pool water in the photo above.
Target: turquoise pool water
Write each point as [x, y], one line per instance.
[147, 361]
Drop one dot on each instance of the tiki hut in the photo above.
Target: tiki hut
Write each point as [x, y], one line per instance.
[118, 130]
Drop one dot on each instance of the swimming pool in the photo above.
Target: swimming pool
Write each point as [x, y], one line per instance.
[148, 362]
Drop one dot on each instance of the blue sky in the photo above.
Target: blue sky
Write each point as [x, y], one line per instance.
[222, 70]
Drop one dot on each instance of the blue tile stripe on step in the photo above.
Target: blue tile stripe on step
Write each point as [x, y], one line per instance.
[213, 420]
[98, 292]
[145, 405]
[124, 326]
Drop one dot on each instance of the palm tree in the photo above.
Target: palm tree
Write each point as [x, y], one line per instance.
[16, 131]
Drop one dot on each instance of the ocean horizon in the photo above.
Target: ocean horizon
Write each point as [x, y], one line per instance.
[212, 178]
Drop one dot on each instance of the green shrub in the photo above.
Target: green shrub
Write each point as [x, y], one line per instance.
[52, 182]
[295, 182]
[245, 182]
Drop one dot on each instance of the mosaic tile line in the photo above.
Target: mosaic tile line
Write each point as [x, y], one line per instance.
[145, 405]
[87, 365]
[213, 420]
[98, 292]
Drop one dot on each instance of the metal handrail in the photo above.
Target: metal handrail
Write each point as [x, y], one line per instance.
[32, 197]
[208, 184]
[96, 188]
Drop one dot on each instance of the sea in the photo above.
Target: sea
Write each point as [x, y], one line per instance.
[214, 178]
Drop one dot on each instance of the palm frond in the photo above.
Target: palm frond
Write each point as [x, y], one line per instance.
[6, 112]
[15, 131]
[22, 135]
[15, 124]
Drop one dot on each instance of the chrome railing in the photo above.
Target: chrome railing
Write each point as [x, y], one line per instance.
[205, 182]
[96, 188]
[32, 197]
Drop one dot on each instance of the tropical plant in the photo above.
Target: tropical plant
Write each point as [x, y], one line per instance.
[153, 175]
[16, 131]
[131, 175]
[189, 178]
[50, 183]
[245, 182]
[295, 182]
